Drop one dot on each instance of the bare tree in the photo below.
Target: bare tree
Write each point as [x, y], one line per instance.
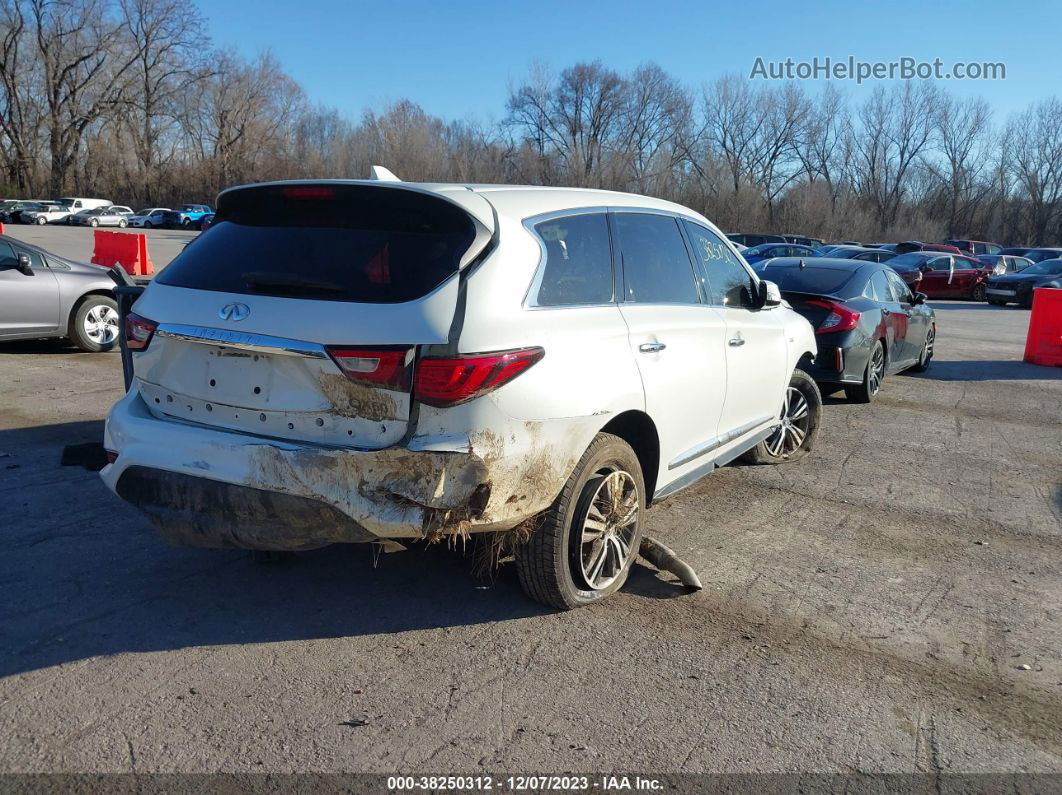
[576, 119]
[167, 41]
[896, 128]
[1035, 143]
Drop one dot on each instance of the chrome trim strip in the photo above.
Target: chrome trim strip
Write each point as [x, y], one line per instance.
[227, 338]
[708, 467]
[715, 443]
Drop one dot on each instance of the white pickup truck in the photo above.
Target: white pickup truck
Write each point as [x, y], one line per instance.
[63, 209]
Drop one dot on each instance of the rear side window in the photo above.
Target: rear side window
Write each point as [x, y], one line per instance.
[656, 265]
[578, 267]
[356, 243]
[726, 275]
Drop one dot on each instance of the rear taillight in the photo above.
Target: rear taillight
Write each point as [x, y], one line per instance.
[386, 367]
[447, 381]
[138, 331]
[841, 318]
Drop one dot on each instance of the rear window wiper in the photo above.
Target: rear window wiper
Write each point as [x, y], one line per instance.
[287, 282]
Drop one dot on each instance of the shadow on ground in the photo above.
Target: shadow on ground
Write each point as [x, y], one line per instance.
[88, 576]
[938, 304]
[989, 370]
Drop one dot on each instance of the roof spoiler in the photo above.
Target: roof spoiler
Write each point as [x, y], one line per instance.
[381, 174]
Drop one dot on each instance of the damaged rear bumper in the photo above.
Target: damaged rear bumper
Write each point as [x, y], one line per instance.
[212, 487]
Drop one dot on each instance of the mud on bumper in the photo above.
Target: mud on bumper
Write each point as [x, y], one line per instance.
[209, 513]
[213, 487]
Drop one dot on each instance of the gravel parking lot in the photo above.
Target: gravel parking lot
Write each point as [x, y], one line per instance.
[891, 603]
[75, 242]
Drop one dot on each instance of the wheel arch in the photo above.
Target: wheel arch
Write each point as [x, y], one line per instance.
[638, 430]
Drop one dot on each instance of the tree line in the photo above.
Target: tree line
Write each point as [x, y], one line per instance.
[130, 100]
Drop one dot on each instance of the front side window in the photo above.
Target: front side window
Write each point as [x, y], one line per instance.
[725, 274]
[656, 266]
[940, 264]
[578, 262]
[877, 288]
[899, 287]
[7, 256]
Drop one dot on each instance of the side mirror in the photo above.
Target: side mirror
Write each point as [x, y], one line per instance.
[772, 295]
[924, 268]
[919, 298]
[24, 264]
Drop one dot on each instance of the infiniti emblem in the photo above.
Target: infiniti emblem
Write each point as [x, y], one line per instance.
[234, 311]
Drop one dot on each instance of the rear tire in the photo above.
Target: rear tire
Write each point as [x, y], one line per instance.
[122, 223]
[585, 543]
[979, 293]
[801, 416]
[872, 377]
[997, 302]
[94, 328]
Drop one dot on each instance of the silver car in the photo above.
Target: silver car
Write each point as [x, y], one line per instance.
[48, 296]
[115, 215]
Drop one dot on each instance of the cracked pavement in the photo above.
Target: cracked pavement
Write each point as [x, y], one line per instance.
[867, 609]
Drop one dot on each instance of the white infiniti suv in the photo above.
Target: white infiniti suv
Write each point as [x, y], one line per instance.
[352, 361]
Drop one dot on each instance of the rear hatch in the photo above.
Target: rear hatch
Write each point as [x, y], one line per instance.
[297, 315]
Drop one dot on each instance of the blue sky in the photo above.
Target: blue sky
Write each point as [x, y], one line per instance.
[458, 59]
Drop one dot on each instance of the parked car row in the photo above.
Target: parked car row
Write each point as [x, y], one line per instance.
[101, 212]
[967, 269]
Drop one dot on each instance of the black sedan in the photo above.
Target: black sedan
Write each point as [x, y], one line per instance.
[867, 322]
[1018, 287]
[861, 253]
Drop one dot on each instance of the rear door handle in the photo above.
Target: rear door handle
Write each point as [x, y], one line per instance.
[736, 341]
[651, 347]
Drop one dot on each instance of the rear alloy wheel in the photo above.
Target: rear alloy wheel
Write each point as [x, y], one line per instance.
[122, 223]
[584, 545]
[926, 355]
[872, 377]
[95, 325]
[798, 425]
[94, 223]
[41, 221]
[979, 293]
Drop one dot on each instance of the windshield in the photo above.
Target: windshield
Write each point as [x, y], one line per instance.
[1050, 267]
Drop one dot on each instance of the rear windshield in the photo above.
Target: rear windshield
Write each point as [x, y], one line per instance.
[908, 259]
[358, 243]
[821, 281]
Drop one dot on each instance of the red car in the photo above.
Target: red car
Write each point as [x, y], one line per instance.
[975, 247]
[947, 275]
